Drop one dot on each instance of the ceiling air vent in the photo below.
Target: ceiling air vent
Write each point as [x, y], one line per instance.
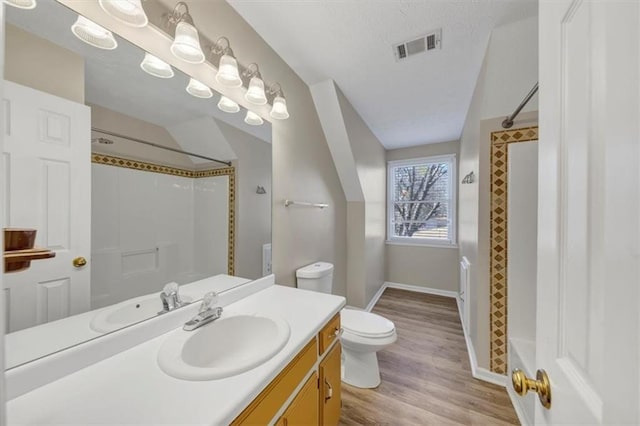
[428, 42]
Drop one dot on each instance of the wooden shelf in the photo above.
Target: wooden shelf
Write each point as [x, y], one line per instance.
[19, 260]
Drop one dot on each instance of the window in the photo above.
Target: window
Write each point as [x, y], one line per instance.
[421, 201]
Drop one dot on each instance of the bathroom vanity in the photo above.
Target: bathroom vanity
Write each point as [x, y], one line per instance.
[317, 401]
[299, 384]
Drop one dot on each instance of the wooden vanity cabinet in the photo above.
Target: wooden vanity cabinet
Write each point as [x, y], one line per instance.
[304, 410]
[318, 400]
[330, 387]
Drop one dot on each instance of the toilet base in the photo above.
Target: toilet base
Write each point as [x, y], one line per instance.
[360, 369]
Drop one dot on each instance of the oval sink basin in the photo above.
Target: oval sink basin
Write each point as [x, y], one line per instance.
[129, 312]
[223, 348]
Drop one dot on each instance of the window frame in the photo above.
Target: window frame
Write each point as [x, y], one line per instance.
[423, 241]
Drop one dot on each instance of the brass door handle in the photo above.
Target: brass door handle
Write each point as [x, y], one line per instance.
[329, 393]
[522, 385]
[79, 262]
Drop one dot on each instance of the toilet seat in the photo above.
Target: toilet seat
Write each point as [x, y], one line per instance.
[365, 324]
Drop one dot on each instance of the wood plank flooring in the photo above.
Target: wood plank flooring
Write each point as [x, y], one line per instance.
[426, 376]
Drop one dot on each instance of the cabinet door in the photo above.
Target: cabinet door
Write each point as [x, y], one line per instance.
[330, 401]
[303, 411]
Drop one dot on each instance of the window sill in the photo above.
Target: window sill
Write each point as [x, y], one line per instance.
[421, 244]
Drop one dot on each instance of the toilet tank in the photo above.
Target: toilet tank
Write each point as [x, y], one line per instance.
[316, 277]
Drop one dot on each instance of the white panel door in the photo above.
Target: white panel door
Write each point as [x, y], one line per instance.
[47, 159]
[588, 218]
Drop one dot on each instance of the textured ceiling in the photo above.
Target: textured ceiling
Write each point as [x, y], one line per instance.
[421, 100]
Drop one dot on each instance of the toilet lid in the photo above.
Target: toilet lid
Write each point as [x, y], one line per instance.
[365, 323]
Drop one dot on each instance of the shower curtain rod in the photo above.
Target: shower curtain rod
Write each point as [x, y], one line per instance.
[191, 154]
[508, 122]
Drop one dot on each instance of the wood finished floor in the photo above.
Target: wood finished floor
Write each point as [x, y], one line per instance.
[426, 376]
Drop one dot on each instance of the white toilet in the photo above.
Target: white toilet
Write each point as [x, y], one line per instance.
[364, 333]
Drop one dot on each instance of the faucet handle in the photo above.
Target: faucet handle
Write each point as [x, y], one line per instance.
[170, 288]
[208, 301]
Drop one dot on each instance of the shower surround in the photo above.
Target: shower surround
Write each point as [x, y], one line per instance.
[151, 228]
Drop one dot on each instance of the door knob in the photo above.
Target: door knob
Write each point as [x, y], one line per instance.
[79, 262]
[522, 385]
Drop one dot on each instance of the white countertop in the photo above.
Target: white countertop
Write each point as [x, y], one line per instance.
[129, 388]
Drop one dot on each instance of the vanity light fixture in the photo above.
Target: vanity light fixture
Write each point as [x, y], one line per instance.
[228, 74]
[156, 67]
[255, 94]
[129, 12]
[279, 109]
[253, 119]
[186, 43]
[199, 89]
[93, 34]
[22, 4]
[227, 105]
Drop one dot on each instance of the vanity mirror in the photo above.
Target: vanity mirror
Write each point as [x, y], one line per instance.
[131, 173]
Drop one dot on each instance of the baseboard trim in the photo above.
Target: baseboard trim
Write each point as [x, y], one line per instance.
[479, 373]
[419, 289]
[516, 401]
[376, 297]
[408, 287]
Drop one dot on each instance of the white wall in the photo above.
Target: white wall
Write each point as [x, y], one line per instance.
[509, 71]
[522, 247]
[144, 228]
[432, 267]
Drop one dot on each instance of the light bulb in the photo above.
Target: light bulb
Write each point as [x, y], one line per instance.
[255, 94]
[228, 74]
[186, 44]
[93, 34]
[129, 12]
[21, 4]
[156, 67]
[198, 89]
[253, 119]
[227, 105]
[279, 109]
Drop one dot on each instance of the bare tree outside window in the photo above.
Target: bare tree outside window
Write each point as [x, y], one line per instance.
[421, 200]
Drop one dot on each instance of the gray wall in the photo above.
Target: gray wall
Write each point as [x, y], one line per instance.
[253, 211]
[369, 156]
[509, 70]
[42, 65]
[302, 164]
[431, 267]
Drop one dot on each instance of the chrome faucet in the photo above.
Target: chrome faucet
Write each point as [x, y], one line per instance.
[170, 298]
[208, 313]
